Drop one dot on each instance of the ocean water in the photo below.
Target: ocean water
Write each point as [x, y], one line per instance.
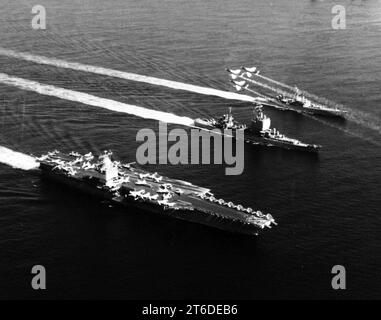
[327, 206]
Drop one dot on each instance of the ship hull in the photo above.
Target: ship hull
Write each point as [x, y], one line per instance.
[317, 111]
[253, 139]
[327, 113]
[283, 145]
[204, 217]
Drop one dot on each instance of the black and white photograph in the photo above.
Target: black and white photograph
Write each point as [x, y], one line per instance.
[173, 151]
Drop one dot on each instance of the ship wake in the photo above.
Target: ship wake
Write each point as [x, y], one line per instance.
[364, 119]
[124, 75]
[92, 100]
[17, 160]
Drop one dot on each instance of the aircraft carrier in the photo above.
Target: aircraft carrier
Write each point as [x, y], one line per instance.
[258, 132]
[127, 185]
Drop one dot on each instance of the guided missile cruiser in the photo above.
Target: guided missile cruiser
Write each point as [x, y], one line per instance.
[259, 131]
[289, 96]
[129, 186]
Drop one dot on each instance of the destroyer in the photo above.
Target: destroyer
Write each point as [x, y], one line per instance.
[292, 97]
[127, 185]
[308, 106]
[258, 132]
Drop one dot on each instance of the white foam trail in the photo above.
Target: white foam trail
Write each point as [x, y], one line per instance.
[17, 160]
[91, 100]
[124, 75]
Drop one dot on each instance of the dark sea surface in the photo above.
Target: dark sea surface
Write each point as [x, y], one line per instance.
[327, 206]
